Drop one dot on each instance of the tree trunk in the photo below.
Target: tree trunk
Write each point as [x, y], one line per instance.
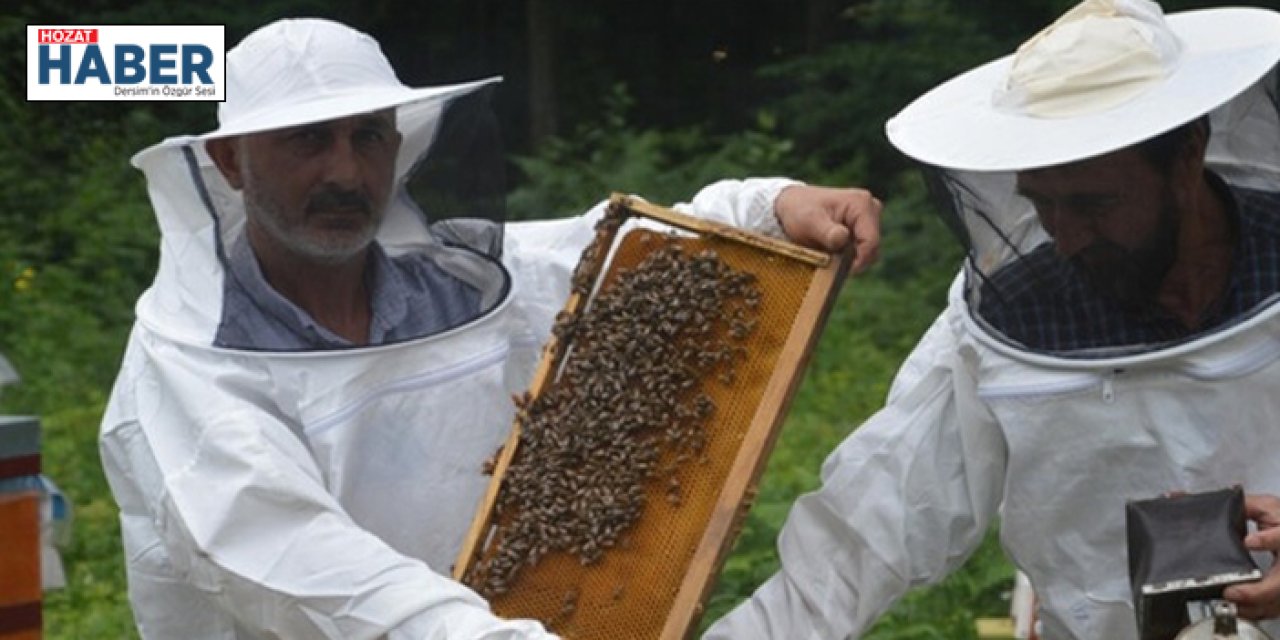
[542, 95]
[820, 22]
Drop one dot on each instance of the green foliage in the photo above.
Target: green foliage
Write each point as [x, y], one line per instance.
[567, 174]
[921, 245]
[834, 102]
[77, 245]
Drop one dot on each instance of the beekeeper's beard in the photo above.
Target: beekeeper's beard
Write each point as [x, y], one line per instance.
[1131, 277]
[334, 225]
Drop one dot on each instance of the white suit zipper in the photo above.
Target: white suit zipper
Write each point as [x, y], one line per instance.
[1108, 386]
[428, 379]
[1026, 391]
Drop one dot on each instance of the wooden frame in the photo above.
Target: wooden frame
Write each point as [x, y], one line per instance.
[738, 489]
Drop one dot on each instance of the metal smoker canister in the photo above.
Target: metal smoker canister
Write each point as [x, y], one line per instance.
[1223, 626]
[1186, 550]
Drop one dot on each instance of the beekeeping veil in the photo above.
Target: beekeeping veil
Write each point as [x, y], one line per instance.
[1107, 75]
[445, 209]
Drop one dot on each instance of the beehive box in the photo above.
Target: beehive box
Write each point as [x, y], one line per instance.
[20, 589]
[636, 451]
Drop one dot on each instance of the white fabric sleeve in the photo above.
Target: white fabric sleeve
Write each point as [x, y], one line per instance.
[747, 204]
[243, 515]
[459, 620]
[904, 500]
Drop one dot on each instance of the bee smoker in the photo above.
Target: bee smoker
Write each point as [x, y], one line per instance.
[1222, 625]
[1183, 552]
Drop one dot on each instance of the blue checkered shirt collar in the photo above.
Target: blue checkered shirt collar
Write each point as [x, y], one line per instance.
[410, 296]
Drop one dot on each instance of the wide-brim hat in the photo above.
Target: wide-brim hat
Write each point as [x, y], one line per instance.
[305, 70]
[295, 72]
[967, 123]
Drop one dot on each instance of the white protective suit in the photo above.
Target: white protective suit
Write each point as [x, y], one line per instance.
[978, 427]
[323, 494]
[909, 495]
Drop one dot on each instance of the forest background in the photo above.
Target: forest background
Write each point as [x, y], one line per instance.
[655, 98]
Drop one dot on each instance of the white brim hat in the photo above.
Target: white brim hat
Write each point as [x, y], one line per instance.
[968, 123]
[300, 71]
[295, 72]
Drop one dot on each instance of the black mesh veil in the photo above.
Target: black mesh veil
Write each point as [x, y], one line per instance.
[1040, 292]
[459, 186]
[435, 261]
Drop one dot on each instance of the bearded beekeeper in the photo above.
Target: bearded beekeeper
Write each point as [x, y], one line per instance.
[326, 358]
[1113, 334]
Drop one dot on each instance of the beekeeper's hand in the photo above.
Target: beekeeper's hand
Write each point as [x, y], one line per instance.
[826, 218]
[1260, 600]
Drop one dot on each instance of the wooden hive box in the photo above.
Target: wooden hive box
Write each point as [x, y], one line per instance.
[20, 589]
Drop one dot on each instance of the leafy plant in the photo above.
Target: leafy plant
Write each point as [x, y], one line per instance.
[565, 175]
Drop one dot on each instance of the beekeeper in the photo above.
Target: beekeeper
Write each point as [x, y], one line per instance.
[297, 435]
[1113, 334]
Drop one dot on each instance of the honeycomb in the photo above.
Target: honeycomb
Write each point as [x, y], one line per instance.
[631, 587]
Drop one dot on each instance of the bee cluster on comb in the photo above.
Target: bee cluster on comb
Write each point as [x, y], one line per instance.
[626, 412]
